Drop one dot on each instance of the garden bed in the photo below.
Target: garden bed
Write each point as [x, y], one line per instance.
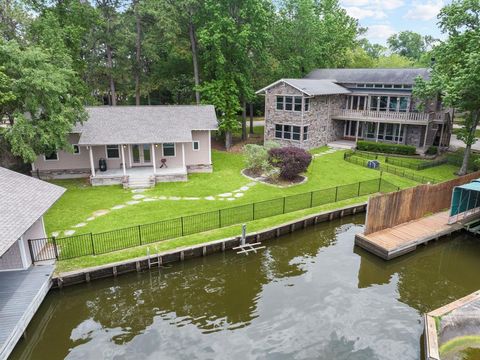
[299, 179]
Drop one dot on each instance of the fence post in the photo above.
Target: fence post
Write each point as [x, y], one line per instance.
[284, 200]
[380, 182]
[336, 193]
[181, 220]
[311, 198]
[219, 218]
[55, 247]
[139, 234]
[253, 211]
[358, 192]
[93, 243]
[31, 250]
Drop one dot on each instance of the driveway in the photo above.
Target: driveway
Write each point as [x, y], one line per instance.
[455, 144]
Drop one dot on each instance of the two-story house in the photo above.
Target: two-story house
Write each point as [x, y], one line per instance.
[354, 104]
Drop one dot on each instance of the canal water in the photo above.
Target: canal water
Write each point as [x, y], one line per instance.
[308, 295]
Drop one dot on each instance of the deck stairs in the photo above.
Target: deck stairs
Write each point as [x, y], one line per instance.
[139, 181]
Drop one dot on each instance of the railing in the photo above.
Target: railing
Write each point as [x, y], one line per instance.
[385, 115]
[415, 166]
[362, 161]
[100, 243]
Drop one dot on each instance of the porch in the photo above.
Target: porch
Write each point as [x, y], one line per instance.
[139, 177]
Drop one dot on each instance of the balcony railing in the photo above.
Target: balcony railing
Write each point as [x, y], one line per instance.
[420, 117]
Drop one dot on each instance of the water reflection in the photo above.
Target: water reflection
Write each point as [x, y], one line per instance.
[310, 295]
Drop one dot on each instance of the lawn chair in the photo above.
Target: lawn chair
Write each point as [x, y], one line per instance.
[164, 163]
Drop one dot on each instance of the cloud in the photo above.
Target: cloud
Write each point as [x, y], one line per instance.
[380, 32]
[355, 2]
[422, 11]
[374, 4]
[360, 13]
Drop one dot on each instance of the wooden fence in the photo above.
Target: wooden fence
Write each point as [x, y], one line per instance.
[388, 210]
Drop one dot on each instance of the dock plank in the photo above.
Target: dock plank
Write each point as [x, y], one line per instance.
[21, 293]
[402, 238]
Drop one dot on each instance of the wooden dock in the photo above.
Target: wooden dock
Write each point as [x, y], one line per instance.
[401, 239]
[21, 293]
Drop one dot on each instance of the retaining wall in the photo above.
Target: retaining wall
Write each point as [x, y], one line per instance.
[181, 254]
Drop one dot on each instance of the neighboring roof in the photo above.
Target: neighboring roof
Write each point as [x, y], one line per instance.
[384, 76]
[474, 186]
[311, 87]
[24, 200]
[144, 124]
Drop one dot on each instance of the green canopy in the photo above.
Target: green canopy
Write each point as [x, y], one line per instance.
[465, 198]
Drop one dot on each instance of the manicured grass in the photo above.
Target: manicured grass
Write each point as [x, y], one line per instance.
[235, 230]
[81, 200]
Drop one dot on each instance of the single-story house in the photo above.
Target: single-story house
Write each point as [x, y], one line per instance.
[135, 145]
[24, 200]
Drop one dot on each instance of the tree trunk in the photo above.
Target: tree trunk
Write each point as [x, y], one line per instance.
[193, 43]
[251, 118]
[228, 140]
[468, 148]
[244, 120]
[138, 55]
[149, 100]
[113, 95]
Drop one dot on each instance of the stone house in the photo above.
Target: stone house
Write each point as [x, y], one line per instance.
[136, 146]
[354, 104]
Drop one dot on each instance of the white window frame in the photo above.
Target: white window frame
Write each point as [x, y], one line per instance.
[57, 159]
[174, 150]
[291, 132]
[106, 151]
[78, 147]
[284, 103]
[305, 133]
[198, 145]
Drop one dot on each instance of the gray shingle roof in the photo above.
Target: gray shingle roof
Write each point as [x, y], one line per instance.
[311, 87]
[23, 200]
[384, 76]
[144, 124]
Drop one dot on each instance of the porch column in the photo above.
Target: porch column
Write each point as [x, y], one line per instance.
[425, 138]
[399, 132]
[123, 160]
[440, 144]
[209, 148]
[92, 165]
[154, 161]
[356, 131]
[378, 130]
[183, 155]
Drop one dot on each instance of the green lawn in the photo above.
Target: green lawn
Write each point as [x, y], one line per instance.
[81, 200]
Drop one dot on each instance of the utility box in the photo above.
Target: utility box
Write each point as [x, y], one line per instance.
[373, 164]
[102, 164]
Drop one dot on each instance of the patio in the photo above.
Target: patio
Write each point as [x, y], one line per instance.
[139, 177]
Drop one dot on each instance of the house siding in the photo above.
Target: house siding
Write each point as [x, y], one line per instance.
[12, 258]
[321, 129]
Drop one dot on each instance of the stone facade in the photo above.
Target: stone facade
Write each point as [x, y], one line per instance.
[415, 135]
[321, 129]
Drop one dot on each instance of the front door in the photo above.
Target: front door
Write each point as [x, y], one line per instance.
[141, 154]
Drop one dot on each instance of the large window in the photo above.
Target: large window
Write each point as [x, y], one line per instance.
[53, 156]
[168, 149]
[291, 103]
[356, 102]
[305, 133]
[287, 132]
[113, 152]
[389, 103]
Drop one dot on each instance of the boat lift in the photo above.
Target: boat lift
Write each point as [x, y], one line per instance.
[246, 248]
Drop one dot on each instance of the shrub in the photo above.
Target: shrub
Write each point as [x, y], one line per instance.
[386, 148]
[290, 161]
[257, 158]
[432, 150]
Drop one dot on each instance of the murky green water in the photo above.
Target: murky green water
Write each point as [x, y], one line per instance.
[309, 295]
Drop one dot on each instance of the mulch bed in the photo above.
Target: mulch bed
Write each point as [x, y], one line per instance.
[276, 182]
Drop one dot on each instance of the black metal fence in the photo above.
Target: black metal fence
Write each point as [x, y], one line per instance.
[363, 161]
[100, 243]
[415, 166]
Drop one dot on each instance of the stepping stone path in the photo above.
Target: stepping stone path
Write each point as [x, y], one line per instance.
[329, 151]
[100, 212]
[138, 198]
[55, 234]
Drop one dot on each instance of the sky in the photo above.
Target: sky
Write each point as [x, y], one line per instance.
[387, 17]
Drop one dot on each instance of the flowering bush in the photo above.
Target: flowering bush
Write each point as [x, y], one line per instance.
[290, 161]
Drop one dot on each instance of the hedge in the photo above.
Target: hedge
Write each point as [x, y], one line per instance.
[386, 148]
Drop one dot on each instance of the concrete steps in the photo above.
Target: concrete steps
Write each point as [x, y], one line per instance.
[140, 182]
